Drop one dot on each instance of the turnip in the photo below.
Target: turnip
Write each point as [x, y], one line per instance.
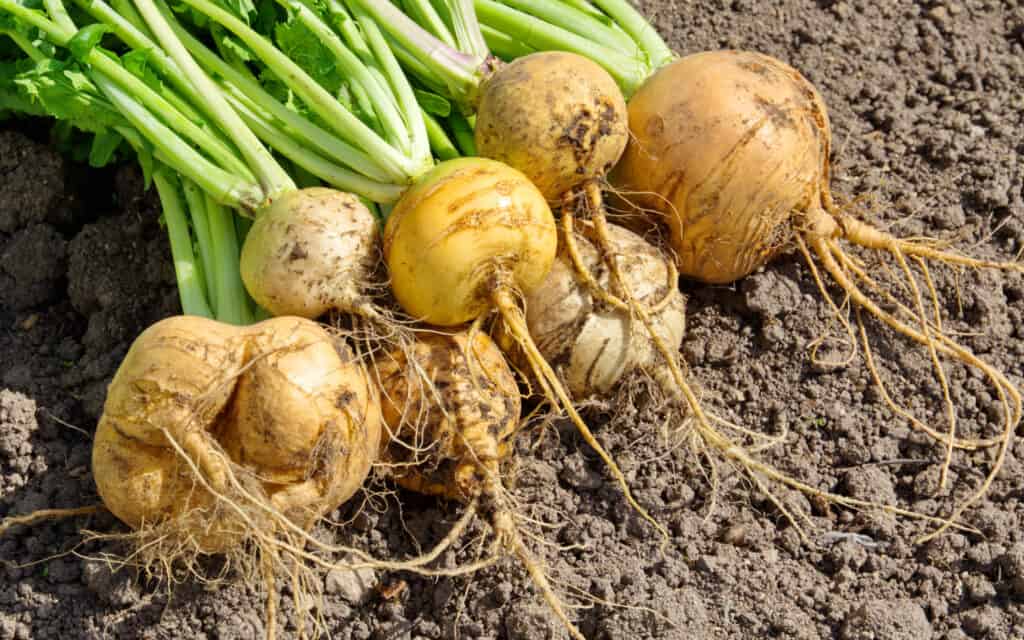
[451, 404]
[313, 255]
[224, 439]
[598, 342]
[209, 430]
[557, 117]
[732, 149]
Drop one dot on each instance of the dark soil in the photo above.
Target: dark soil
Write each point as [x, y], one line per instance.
[926, 101]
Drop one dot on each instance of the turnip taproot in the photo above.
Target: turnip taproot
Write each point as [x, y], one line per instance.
[451, 404]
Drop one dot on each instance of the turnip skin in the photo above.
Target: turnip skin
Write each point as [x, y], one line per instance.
[469, 228]
[598, 345]
[304, 418]
[311, 251]
[730, 147]
[557, 117]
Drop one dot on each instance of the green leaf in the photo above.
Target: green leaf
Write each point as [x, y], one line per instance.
[433, 103]
[139, 62]
[63, 91]
[87, 39]
[12, 97]
[230, 48]
[305, 49]
[244, 9]
[267, 17]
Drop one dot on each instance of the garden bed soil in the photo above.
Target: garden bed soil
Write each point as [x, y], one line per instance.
[927, 107]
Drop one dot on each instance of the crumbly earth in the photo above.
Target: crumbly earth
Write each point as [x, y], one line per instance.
[928, 115]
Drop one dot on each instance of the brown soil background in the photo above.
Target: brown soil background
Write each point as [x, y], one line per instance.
[926, 101]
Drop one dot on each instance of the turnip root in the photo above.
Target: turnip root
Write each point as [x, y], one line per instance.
[312, 251]
[470, 238]
[599, 345]
[472, 232]
[732, 149]
[557, 117]
[451, 404]
[454, 402]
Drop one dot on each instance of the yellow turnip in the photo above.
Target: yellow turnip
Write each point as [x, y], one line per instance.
[557, 117]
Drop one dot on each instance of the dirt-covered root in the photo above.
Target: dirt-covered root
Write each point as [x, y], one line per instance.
[732, 150]
[557, 117]
[44, 515]
[915, 317]
[452, 407]
[234, 441]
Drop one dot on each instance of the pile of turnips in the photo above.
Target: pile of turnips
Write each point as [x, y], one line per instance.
[391, 229]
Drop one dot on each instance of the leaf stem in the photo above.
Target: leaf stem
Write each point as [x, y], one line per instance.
[223, 186]
[272, 177]
[314, 95]
[191, 287]
[643, 32]
[459, 71]
[629, 72]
